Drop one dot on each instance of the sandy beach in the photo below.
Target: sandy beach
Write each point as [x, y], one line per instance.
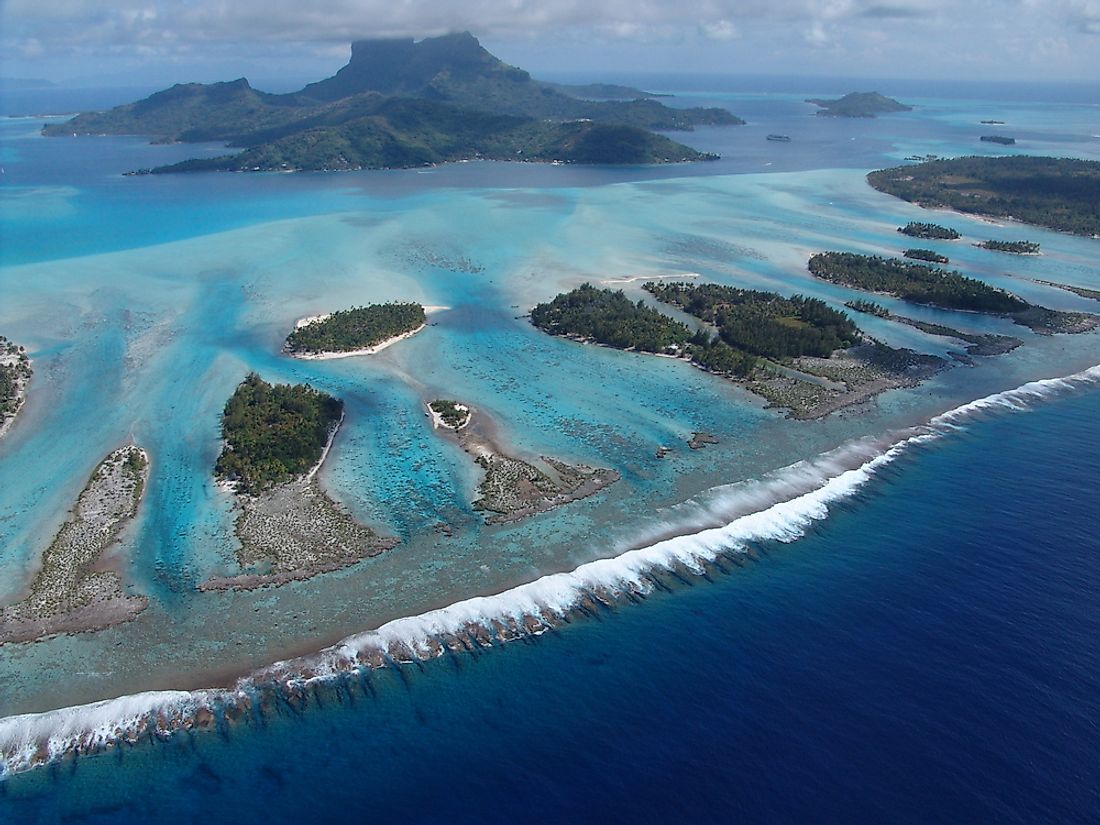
[371, 350]
[635, 278]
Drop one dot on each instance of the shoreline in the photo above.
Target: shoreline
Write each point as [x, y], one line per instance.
[14, 358]
[438, 422]
[371, 350]
[33, 739]
[328, 355]
[635, 278]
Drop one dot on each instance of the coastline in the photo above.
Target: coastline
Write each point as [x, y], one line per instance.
[15, 359]
[371, 350]
[30, 740]
[635, 278]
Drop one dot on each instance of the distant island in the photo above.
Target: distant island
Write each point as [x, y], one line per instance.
[404, 103]
[1058, 193]
[929, 231]
[929, 255]
[15, 375]
[797, 353]
[1001, 139]
[858, 104]
[356, 331]
[1013, 247]
[924, 284]
[276, 438]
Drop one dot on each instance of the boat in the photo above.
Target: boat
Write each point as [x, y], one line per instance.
[780, 138]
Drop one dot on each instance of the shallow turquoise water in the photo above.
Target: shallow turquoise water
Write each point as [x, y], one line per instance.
[144, 300]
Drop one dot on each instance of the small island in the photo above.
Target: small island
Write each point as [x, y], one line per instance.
[77, 589]
[1013, 247]
[858, 104]
[797, 353]
[449, 414]
[513, 489]
[929, 255]
[276, 438]
[1058, 193]
[1001, 139]
[946, 289]
[15, 375]
[361, 330]
[929, 231]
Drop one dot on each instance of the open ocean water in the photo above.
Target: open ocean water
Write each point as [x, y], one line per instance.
[926, 649]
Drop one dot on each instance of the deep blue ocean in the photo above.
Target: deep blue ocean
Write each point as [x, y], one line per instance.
[929, 652]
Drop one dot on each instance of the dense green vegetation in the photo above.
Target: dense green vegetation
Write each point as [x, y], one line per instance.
[400, 103]
[868, 308]
[454, 415]
[1059, 193]
[858, 104]
[918, 283]
[15, 371]
[916, 229]
[749, 324]
[927, 255]
[356, 328]
[762, 323]
[609, 317]
[274, 433]
[1015, 247]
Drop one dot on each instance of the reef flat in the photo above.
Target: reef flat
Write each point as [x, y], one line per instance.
[813, 387]
[74, 591]
[277, 438]
[294, 532]
[513, 489]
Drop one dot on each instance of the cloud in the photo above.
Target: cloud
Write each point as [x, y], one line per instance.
[918, 33]
[168, 21]
[719, 30]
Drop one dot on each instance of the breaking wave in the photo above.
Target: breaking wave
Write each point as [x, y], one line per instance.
[778, 508]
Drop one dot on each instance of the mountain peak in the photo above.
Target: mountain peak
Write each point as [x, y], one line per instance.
[404, 66]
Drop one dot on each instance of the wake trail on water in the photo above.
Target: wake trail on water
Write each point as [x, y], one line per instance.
[780, 508]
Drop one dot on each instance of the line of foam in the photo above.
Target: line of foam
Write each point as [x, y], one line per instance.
[33, 739]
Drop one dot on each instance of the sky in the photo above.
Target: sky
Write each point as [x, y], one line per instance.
[143, 42]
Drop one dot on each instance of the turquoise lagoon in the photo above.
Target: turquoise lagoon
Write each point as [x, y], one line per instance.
[145, 300]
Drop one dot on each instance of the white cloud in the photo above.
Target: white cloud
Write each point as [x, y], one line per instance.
[917, 33]
[719, 30]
